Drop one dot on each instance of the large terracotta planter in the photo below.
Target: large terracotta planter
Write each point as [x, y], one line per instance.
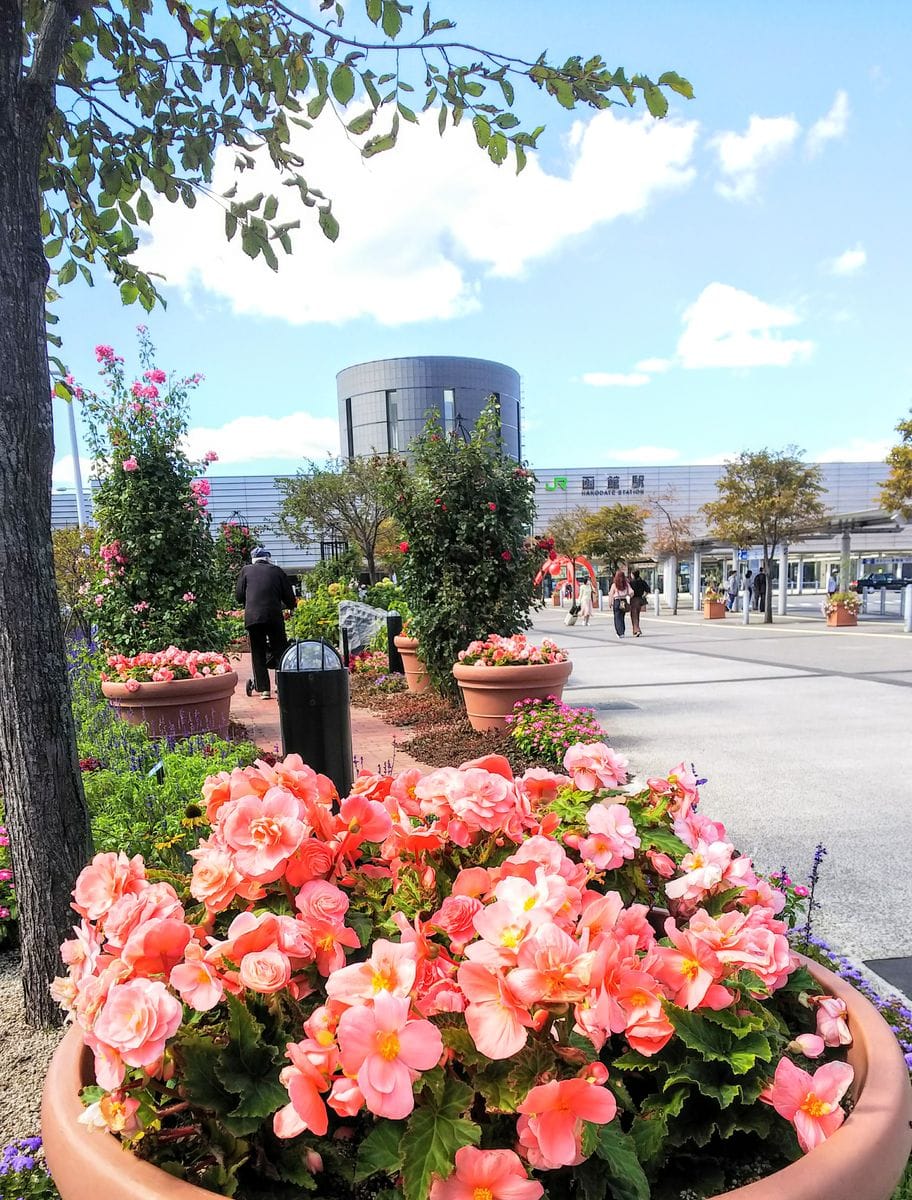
[416, 676]
[714, 610]
[489, 693]
[180, 708]
[861, 1161]
[865, 1158]
[842, 616]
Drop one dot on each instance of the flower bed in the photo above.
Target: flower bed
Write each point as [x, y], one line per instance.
[516, 651]
[545, 729]
[354, 998]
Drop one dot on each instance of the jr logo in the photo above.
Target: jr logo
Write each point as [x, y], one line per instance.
[559, 481]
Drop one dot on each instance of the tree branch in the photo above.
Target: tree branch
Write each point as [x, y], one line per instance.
[51, 41]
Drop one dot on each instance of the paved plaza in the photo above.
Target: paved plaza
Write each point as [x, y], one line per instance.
[803, 733]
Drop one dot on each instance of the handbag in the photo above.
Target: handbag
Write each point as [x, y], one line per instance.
[574, 609]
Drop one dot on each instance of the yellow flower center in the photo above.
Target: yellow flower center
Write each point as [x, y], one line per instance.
[382, 981]
[815, 1107]
[639, 999]
[696, 861]
[482, 1193]
[326, 943]
[689, 968]
[354, 826]
[324, 1038]
[388, 1045]
[511, 937]
[528, 906]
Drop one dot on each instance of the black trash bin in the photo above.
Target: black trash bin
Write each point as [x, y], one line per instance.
[314, 710]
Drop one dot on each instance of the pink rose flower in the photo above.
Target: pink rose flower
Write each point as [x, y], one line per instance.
[130, 464]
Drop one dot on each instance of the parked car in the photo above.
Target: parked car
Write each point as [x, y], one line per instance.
[880, 580]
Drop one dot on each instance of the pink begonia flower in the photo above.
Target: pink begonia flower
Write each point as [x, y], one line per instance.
[132, 685]
[540, 785]
[81, 953]
[210, 457]
[808, 1044]
[496, 1018]
[157, 946]
[810, 1102]
[265, 971]
[392, 968]
[690, 970]
[385, 1051]
[663, 866]
[831, 1021]
[133, 910]
[215, 880]
[703, 870]
[136, 1021]
[115, 1112]
[613, 837]
[552, 969]
[306, 1108]
[156, 375]
[593, 765]
[262, 833]
[550, 1129]
[345, 1098]
[196, 981]
[365, 820]
[130, 464]
[487, 1175]
[102, 883]
[188, 597]
[456, 918]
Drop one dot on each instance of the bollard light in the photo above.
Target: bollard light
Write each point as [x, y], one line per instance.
[315, 711]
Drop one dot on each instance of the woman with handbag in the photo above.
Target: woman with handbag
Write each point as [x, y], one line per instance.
[619, 597]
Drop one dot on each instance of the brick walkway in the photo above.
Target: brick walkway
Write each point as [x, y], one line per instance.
[374, 743]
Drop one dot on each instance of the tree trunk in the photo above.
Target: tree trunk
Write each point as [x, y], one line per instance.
[39, 772]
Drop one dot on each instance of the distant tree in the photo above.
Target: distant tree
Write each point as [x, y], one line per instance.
[673, 535]
[766, 498]
[615, 534]
[75, 569]
[896, 490]
[567, 528]
[342, 498]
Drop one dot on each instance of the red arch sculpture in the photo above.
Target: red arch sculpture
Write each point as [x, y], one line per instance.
[562, 567]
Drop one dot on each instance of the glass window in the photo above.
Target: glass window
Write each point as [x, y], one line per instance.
[392, 422]
[449, 409]
[350, 433]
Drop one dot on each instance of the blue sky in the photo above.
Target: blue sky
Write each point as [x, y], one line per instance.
[675, 291]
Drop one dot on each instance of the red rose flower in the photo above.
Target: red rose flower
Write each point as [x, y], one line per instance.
[403, 546]
[506, 555]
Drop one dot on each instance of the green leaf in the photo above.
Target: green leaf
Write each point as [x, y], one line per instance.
[648, 1133]
[197, 1056]
[800, 981]
[361, 123]
[618, 1151]
[482, 131]
[328, 224]
[270, 208]
[342, 83]
[129, 292]
[67, 272]
[53, 247]
[703, 1078]
[190, 78]
[434, 1133]
[279, 80]
[392, 18]
[697, 1033]
[143, 207]
[656, 100]
[380, 1150]
[247, 1065]
[374, 10]
[677, 84]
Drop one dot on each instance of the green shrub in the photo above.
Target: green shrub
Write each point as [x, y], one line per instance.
[546, 729]
[23, 1172]
[318, 617]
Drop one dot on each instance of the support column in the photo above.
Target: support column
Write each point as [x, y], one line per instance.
[845, 563]
[696, 572]
[783, 580]
[671, 582]
[81, 514]
[800, 588]
[907, 621]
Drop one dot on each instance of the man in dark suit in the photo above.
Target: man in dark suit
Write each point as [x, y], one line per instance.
[264, 590]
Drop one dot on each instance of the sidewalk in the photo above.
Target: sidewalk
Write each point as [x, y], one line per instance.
[374, 743]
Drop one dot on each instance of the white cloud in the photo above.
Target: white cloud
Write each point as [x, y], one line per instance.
[643, 456]
[654, 366]
[421, 225]
[849, 262]
[726, 327]
[743, 155]
[830, 126]
[857, 450]
[252, 439]
[609, 379]
[64, 476]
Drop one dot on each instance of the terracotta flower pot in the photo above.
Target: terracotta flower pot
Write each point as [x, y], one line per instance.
[489, 693]
[92, 1165]
[861, 1161]
[416, 676]
[842, 616]
[866, 1156]
[714, 610]
[180, 708]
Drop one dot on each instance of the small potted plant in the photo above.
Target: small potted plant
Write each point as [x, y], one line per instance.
[173, 692]
[842, 608]
[495, 673]
[713, 602]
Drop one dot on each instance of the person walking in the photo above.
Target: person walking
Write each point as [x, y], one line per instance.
[585, 601]
[733, 586]
[619, 596]
[833, 582]
[640, 589]
[760, 590]
[264, 590]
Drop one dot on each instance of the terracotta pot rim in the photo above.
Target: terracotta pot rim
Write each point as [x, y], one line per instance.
[863, 1159]
[402, 641]
[509, 673]
[205, 685]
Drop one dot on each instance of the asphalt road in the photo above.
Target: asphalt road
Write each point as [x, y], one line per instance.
[804, 734]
